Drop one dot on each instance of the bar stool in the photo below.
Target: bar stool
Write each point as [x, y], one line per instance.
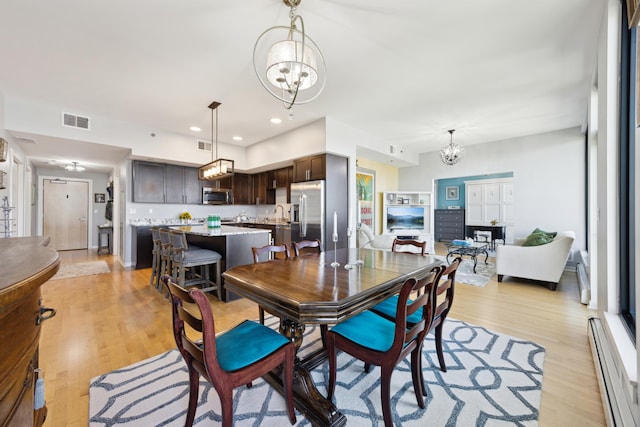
[191, 258]
[165, 253]
[155, 261]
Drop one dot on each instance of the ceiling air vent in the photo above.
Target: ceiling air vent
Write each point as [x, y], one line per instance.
[26, 140]
[393, 149]
[204, 145]
[74, 121]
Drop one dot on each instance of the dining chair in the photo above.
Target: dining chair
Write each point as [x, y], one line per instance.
[307, 246]
[233, 358]
[267, 252]
[408, 245]
[381, 342]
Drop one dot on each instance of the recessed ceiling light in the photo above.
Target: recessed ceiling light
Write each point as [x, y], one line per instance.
[237, 138]
[276, 121]
[195, 129]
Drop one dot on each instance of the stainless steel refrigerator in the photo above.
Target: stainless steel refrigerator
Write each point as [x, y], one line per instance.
[308, 212]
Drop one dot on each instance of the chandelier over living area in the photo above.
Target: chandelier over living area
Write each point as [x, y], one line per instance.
[451, 153]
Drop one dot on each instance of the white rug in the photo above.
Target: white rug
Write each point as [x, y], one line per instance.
[484, 272]
[492, 380]
[77, 269]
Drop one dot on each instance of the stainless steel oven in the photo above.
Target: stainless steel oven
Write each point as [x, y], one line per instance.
[217, 196]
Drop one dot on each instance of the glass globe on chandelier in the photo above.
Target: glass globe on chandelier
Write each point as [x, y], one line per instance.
[452, 153]
[295, 72]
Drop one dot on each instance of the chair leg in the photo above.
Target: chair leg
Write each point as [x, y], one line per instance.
[416, 376]
[261, 314]
[385, 385]
[226, 401]
[194, 385]
[438, 337]
[288, 382]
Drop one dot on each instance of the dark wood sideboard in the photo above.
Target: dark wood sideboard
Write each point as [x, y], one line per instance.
[26, 264]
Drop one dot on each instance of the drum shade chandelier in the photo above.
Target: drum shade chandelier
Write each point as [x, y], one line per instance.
[451, 153]
[218, 168]
[289, 65]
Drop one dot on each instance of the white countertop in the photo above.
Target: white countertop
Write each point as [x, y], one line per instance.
[225, 230]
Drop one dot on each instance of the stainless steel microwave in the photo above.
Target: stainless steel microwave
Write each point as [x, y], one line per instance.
[217, 196]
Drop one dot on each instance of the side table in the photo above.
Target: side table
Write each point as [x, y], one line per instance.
[105, 235]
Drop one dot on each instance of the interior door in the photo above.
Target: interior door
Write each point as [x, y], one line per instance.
[65, 213]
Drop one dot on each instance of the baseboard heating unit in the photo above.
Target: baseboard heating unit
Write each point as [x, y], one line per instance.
[619, 397]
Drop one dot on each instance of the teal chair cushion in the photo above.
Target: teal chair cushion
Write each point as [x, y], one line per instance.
[369, 330]
[246, 344]
[389, 306]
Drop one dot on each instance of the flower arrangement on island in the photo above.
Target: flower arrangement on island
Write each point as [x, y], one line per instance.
[185, 215]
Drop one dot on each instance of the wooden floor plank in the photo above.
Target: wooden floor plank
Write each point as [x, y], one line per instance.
[108, 321]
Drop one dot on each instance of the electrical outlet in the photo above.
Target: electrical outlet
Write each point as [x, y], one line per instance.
[150, 210]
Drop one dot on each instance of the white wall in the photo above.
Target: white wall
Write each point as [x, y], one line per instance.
[549, 180]
[41, 119]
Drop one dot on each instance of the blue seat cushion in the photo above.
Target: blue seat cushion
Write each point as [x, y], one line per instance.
[389, 306]
[246, 344]
[368, 330]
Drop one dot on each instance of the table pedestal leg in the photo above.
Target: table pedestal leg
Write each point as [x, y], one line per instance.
[308, 400]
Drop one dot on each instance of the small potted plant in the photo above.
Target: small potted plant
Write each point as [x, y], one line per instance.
[184, 217]
[494, 222]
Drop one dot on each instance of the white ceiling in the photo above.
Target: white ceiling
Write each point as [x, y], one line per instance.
[405, 71]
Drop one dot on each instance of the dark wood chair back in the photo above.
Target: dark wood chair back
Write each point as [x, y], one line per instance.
[307, 246]
[194, 332]
[443, 301]
[398, 244]
[269, 250]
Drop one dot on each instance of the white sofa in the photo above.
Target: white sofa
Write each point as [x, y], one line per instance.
[544, 263]
[366, 239]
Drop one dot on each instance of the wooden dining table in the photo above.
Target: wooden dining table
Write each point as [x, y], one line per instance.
[308, 290]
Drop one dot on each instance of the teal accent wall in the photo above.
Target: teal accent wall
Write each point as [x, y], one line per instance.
[442, 184]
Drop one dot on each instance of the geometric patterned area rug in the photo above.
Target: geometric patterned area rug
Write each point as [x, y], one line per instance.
[491, 380]
[77, 269]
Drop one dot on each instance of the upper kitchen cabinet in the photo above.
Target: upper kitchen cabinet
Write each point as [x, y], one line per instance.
[279, 178]
[242, 189]
[148, 182]
[260, 181]
[309, 168]
[162, 183]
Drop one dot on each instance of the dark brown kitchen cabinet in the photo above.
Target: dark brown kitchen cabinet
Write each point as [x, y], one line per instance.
[309, 168]
[164, 183]
[148, 182]
[242, 189]
[278, 178]
[260, 181]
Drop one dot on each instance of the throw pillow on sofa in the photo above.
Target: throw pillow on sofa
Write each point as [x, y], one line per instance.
[539, 237]
[551, 234]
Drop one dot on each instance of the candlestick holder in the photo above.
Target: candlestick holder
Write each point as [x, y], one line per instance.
[335, 263]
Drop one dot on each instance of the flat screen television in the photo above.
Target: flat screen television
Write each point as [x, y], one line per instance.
[405, 218]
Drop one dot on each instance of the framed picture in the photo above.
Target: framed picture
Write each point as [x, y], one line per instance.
[452, 193]
[99, 198]
[366, 190]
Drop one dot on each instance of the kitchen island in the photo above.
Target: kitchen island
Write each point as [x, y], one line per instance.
[233, 243]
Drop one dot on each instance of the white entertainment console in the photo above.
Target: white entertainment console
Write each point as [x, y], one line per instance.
[409, 214]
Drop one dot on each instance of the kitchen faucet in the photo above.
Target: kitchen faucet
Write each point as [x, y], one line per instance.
[276, 210]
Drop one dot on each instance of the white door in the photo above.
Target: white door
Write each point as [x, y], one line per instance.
[65, 213]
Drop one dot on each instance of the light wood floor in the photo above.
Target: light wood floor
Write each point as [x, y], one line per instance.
[108, 321]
